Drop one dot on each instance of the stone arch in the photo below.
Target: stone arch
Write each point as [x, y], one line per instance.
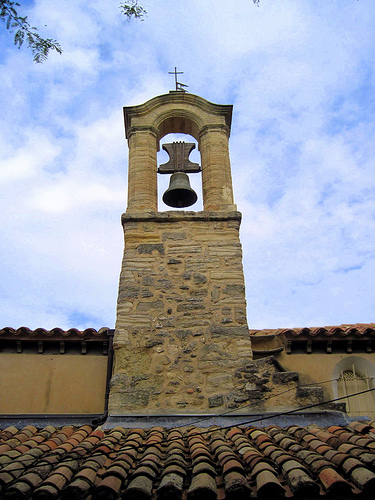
[351, 375]
[178, 112]
[173, 123]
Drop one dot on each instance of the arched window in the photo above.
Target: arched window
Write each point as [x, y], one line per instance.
[354, 374]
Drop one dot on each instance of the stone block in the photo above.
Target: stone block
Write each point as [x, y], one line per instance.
[120, 382]
[215, 401]
[184, 249]
[153, 342]
[235, 290]
[230, 275]
[174, 261]
[199, 278]
[285, 377]
[132, 362]
[157, 305]
[148, 248]
[147, 383]
[130, 292]
[222, 381]
[190, 306]
[173, 235]
[245, 353]
[230, 331]
[311, 394]
[163, 284]
[129, 401]
[148, 280]
[212, 352]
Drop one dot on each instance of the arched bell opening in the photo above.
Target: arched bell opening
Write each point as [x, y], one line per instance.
[179, 123]
[178, 113]
[195, 179]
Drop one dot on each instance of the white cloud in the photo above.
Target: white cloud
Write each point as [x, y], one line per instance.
[299, 74]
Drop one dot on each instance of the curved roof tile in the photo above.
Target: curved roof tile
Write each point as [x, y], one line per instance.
[132, 469]
[355, 330]
[24, 332]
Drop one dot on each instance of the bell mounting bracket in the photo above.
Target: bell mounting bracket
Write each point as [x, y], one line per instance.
[179, 159]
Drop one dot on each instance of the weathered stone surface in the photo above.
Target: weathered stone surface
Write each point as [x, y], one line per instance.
[181, 313]
[192, 305]
[174, 261]
[173, 235]
[199, 278]
[284, 377]
[313, 394]
[150, 247]
[129, 292]
[224, 381]
[150, 306]
[136, 399]
[215, 401]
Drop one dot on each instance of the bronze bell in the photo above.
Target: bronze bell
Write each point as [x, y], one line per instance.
[179, 194]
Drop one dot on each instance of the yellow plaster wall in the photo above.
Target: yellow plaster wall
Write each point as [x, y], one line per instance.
[35, 383]
[317, 367]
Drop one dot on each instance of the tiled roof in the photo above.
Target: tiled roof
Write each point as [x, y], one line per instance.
[222, 463]
[356, 330]
[54, 334]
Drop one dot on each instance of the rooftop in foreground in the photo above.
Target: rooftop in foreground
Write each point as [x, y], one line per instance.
[218, 462]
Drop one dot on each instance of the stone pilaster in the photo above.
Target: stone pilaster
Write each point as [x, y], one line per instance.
[142, 180]
[216, 174]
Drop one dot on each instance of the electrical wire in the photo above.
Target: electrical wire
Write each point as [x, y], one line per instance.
[210, 417]
[202, 433]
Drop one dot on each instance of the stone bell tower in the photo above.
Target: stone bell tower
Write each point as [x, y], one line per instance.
[181, 328]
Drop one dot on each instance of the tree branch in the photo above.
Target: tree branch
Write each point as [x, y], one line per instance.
[39, 46]
[132, 9]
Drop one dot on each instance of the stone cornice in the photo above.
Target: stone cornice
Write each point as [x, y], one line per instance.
[179, 215]
[174, 98]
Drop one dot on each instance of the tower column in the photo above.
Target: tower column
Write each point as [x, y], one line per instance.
[216, 174]
[142, 180]
[181, 341]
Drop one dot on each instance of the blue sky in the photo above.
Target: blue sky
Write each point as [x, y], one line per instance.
[300, 74]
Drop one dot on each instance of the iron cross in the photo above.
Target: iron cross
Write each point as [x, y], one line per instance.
[179, 86]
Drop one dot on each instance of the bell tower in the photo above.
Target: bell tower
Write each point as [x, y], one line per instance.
[181, 327]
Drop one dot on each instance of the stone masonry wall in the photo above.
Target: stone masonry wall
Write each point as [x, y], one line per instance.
[181, 330]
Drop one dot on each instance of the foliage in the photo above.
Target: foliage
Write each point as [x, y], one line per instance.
[39, 46]
[132, 9]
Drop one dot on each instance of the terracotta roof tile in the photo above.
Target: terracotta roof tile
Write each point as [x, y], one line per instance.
[202, 486]
[24, 332]
[171, 486]
[268, 486]
[333, 482]
[77, 489]
[364, 479]
[301, 483]
[356, 330]
[350, 464]
[227, 464]
[236, 486]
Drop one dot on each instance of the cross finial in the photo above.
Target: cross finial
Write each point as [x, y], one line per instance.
[179, 86]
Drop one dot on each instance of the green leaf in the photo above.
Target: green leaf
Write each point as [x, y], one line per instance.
[39, 46]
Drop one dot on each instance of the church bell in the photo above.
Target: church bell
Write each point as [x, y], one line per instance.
[179, 194]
